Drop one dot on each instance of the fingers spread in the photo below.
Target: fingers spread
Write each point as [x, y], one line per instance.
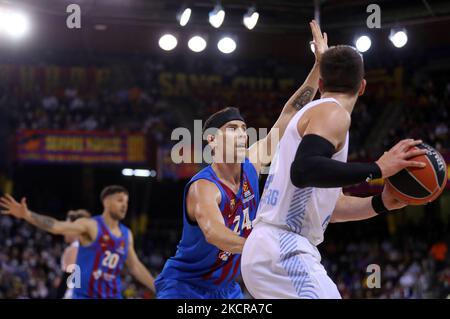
[10, 198]
[4, 203]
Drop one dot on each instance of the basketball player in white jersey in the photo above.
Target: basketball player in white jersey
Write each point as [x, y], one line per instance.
[303, 191]
[69, 256]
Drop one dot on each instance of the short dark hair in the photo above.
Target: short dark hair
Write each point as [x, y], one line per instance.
[111, 190]
[342, 69]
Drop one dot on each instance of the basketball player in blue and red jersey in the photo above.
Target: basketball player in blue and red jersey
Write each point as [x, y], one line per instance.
[106, 245]
[220, 202]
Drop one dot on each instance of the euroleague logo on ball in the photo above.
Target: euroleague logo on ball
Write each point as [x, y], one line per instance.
[418, 186]
[432, 152]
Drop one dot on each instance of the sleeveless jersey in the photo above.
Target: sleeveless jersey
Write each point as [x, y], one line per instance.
[304, 211]
[101, 263]
[202, 264]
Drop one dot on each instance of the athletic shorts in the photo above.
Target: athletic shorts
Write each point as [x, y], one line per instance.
[279, 264]
[175, 289]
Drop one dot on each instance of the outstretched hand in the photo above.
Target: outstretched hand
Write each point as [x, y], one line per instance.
[11, 207]
[320, 41]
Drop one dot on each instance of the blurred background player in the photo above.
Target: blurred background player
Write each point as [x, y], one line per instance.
[280, 258]
[69, 256]
[220, 202]
[106, 245]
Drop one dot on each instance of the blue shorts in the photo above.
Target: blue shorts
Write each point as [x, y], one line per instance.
[175, 289]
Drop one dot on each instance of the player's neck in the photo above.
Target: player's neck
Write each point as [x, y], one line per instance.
[345, 100]
[230, 172]
[110, 222]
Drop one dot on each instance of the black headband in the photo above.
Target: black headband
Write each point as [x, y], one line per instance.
[218, 119]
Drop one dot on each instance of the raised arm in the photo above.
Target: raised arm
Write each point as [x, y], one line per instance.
[203, 200]
[137, 268]
[80, 227]
[261, 152]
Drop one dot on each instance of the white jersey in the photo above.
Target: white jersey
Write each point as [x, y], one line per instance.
[304, 211]
[69, 291]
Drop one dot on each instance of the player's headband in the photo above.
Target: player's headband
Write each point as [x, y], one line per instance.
[218, 119]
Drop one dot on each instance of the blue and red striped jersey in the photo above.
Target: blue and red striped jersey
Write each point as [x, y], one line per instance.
[101, 263]
[203, 264]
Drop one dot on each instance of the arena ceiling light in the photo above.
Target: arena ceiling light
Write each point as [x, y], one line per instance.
[14, 23]
[226, 45]
[167, 42]
[399, 38]
[251, 18]
[184, 15]
[138, 172]
[363, 43]
[197, 43]
[216, 16]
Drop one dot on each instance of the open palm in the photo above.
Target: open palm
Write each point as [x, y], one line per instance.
[11, 207]
[320, 40]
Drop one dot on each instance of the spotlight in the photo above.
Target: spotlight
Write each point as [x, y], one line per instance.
[167, 42]
[183, 16]
[251, 18]
[226, 45]
[15, 24]
[138, 172]
[216, 16]
[197, 43]
[127, 172]
[398, 38]
[363, 43]
[142, 173]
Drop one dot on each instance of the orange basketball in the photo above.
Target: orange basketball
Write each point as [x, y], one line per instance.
[418, 186]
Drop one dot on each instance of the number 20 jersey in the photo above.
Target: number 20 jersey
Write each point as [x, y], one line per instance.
[101, 263]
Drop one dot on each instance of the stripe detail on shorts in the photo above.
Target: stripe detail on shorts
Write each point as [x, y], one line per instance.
[294, 267]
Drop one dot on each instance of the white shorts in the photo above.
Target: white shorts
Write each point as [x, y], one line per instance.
[279, 264]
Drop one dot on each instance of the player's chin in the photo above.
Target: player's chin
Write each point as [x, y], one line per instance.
[121, 215]
[241, 152]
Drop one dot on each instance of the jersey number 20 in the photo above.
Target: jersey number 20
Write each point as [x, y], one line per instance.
[110, 260]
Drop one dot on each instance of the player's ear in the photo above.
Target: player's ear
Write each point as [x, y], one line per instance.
[211, 139]
[320, 85]
[362, 88]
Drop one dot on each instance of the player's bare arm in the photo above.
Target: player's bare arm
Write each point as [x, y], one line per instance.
[203, 200]
[297, 101]
[352, 208]
[323, 130]
[137, 268]
[83, 227]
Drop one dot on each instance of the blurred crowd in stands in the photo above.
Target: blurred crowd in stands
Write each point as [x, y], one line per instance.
[136, 103]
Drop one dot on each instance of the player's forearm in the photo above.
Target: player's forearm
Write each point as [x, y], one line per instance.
[225, 239]
[141, 274]
[42, 222]
[305, 93]
[298, 100]
[351, 208]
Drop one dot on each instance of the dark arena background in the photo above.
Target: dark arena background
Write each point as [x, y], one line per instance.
[90, 102]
